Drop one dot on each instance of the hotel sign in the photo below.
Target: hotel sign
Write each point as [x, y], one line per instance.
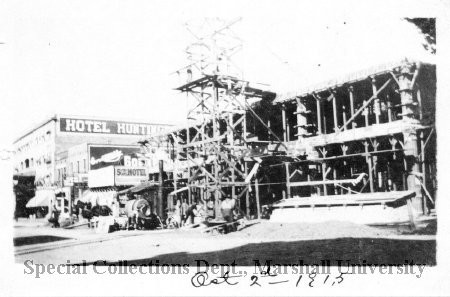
[108, 127]
[130, 175]
[117, 176]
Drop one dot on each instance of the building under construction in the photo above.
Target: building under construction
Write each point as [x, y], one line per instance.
[359, 148]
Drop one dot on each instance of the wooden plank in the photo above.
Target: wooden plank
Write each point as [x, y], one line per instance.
[319, 117]
[347, 199]
[288, 182]
[328, 182]
[257, 199]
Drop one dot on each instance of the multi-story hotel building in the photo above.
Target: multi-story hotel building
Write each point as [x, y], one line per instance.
[56, 153]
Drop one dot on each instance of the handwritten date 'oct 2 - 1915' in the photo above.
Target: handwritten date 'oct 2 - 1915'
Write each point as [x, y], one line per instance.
[202, 279]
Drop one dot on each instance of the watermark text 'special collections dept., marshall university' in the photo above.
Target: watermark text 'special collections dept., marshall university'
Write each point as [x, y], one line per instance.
[204, 273]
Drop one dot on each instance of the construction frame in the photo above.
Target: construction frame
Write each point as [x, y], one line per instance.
[367, 139]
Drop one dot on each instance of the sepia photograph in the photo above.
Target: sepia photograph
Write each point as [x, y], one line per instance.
[204, 148]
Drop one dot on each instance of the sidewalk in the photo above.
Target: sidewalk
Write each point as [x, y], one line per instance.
[26, 222]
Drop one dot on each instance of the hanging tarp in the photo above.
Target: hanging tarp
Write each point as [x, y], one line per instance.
[102, 198]
[86, 197]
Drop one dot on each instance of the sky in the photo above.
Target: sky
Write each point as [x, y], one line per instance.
[117, 58]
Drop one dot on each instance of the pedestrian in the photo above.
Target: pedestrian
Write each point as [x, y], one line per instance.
[177, 213]
[227, 208]
[210, 214]
[184, 210]
[198, 213]
[55, 217]
[190, 214]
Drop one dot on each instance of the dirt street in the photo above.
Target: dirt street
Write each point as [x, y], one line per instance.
[280, 243]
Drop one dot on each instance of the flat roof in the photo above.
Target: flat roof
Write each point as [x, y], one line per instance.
[346, 79]
[56, 117]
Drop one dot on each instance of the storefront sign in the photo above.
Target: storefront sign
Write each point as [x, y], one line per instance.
[108, 127]
[130, 175]
[117, 176]
[106, 155]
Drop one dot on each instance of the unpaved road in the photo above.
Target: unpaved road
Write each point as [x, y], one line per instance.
[280, 243]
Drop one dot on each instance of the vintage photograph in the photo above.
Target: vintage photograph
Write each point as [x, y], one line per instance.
[156, 138]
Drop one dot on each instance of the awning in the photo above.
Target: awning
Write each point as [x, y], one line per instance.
[41, 199]
[86, 197]
[139, 188]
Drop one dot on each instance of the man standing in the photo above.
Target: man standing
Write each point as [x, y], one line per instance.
[227, 208]
[184, 211]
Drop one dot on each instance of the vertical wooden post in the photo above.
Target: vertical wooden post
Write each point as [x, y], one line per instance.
[175, 168]
[352, 105]
[366, 114]
[324, 169]
[247, 194]
[159, 204]
[288, 130]
[376, 102]
[424, 168]
[257, 197]
[318, 187]
[288, 181]
[410, 141]
[233, 179]
[283, 116]
[319, 117]
[244, 126]
[335, 178]
[419, 101]
[216, 166]
[389, 108]
[335, 118]
[375, 162]
[188, 140]
[301, 118]
[344, 117]
[369, 164]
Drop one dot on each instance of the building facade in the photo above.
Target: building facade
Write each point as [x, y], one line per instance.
[56, 153]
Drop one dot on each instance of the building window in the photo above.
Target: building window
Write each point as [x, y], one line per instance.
[84, 166]
[27, 163]
[78, 166]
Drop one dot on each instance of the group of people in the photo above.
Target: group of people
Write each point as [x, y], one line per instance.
[184, 214]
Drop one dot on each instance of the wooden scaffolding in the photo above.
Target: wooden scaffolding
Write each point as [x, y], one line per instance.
[370, 132]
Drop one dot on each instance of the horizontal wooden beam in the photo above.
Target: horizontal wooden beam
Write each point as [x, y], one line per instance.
[353, 181]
